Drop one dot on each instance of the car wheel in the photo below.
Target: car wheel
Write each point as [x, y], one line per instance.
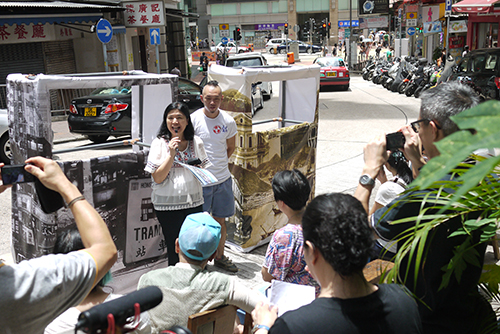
[346, 87]
[5, 150]
[97, 139]
[283, 51]
[310, 50]
[241, 51]
[272, 51]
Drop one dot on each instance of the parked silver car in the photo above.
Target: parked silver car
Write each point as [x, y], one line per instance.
[5, 152]
[252, 59]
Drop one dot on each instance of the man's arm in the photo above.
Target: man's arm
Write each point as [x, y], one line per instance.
[243, 297]
[231, 146]
[375, 155]
[94, 232]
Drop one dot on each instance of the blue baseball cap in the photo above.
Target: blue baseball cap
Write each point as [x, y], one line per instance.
[200, 233]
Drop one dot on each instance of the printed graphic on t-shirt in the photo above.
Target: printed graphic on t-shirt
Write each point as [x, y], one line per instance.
[218, 129]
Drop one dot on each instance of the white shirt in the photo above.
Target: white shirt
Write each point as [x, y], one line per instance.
[215, 132]
[36, 291]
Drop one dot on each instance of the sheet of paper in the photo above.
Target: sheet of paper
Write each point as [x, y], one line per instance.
[289, 296]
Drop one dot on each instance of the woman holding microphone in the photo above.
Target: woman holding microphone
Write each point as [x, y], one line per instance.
[176, 191]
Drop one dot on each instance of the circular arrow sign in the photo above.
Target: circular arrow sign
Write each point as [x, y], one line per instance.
[104, 31]
[411, 31]
[224, 40]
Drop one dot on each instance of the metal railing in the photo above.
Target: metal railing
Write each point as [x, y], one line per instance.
[60, 99]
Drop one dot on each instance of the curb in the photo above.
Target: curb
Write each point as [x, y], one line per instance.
[68, 140]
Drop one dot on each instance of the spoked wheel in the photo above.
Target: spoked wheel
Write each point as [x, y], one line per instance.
[402, 87]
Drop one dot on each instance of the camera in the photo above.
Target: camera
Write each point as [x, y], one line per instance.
[16, 174]
[394, 141]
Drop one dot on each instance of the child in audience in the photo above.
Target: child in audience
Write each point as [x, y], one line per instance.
[70, 241]
[337, 245]
[285, 254]
[397, 165]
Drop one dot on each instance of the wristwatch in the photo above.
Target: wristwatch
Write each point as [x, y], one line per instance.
[366, 180]
[258, 327]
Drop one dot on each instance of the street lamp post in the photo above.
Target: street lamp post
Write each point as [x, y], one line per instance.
[350, 35]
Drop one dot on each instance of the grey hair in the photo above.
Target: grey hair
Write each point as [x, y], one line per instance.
[446, 100]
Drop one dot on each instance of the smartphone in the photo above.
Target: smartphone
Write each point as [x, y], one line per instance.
[16, 174]
[394, 141]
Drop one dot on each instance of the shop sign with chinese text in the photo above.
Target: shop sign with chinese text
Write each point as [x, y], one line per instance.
[28, 33]
[144, 14]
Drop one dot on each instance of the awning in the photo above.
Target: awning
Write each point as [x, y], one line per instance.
[475, 6]
[51, 19]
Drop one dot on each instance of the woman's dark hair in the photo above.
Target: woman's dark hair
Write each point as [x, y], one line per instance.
[398, 161]
[183, 108]
[337, 225]
[70, 241]
[291, 187]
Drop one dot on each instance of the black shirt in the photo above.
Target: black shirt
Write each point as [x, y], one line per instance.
[388, 310]
[457, 308]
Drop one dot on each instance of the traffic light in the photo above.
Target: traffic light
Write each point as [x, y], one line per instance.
[323, 29]
[237, 34]
[286, 28]
[329, 27]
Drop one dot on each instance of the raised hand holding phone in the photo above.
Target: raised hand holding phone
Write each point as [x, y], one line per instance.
[16, 174]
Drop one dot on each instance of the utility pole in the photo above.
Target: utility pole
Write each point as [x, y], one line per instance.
[400, 24]
[286, 36]
[350, 35]
[311, 31]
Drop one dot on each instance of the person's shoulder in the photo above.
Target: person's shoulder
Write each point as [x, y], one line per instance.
[154, 277]
[197, 113]
[227, 118]
[197, 140]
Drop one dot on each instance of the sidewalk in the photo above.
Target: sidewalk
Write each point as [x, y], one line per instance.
[61, 131]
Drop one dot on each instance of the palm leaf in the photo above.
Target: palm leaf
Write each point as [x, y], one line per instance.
[473, 191]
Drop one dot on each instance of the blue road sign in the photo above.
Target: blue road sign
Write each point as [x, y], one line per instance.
[224, 40]
[447, 8]
[104, 31]
[411, 31]
[154, 36]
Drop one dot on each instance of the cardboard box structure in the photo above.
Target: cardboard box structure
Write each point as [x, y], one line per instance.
[119, 188]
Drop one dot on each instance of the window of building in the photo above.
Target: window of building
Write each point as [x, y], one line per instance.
[344, 5]
[250, 8]
[223, 10]
[310, 6]
[279, 6]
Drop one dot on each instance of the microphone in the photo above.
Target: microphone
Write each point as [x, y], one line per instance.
[121, 308]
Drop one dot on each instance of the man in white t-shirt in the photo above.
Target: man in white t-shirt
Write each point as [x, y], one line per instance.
[218, 131]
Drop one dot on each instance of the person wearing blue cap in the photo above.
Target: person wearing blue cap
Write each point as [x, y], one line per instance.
[187, 287]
